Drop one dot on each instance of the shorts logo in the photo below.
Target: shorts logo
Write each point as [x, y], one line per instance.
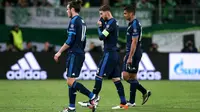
[134, 30]
[26, 68]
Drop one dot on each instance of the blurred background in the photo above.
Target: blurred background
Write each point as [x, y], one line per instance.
[31, 31]
[40, 27]
[166, 23]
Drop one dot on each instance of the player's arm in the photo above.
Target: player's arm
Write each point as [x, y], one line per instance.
[70, 40]
[135, 36]
[133, 47]
[101, 23]
[100, 29]
[109, 28]
[102, 34]
[63, 48]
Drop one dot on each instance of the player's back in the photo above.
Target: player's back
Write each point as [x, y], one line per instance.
[134, 30]
[110, 43]
[77, 27]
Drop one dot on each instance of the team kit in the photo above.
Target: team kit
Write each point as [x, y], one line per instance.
[109, 65]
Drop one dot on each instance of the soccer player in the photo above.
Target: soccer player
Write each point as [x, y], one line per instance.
[109, 65]
[75, 44]
[133, 56]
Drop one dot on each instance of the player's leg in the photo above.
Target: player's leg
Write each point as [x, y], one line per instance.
[115, 74]
[100, 73]
[102, 69]
[72, 98]
[133, 87]
[135, 64]
[145, 93]
[130, 75]
[72, 92]
[142, 89]
[76, 63]
[98, 79]
[73, 72]
[96, 90]
[120, 90]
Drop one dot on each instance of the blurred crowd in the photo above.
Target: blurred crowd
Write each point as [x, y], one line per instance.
[57, 3]
[170, 8]
[189, 47]
[168, 14]
[29, 47]
[15, 43]
[93, 3]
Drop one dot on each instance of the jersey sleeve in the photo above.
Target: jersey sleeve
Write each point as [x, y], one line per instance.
[71, 33]
[109, 28]
[103, 24]
[135, 31]
[72, 28]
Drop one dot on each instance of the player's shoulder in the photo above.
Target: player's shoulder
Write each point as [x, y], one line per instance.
[75, 19]
[112, 21]
[135, 23]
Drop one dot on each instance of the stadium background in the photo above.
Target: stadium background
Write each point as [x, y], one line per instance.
[168, 25]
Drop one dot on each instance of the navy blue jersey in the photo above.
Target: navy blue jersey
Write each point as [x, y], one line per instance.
[134, 30]
[76, 35]
[111, 37]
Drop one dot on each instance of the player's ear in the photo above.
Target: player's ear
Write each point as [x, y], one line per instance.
[72, 9]
[130, 14]
[107, 13]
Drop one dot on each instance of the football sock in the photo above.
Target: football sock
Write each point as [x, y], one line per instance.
[97, 86]
[120, 90]
[134, 83]
[72, 97]
[141, 89]
[82, 89]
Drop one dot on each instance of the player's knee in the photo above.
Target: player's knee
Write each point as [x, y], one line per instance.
[70, 81]
[98, 77]
[116, 79]
[125, 76]
[133, 76]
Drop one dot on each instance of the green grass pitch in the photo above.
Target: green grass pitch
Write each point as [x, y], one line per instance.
[52, 96]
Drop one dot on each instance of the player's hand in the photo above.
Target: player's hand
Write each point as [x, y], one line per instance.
[129, 66]
[99, 23]
[56, 56]
[129, 61]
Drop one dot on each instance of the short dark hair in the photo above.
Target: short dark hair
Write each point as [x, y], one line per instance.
[105, 8]
[76, 4]
[130, 8]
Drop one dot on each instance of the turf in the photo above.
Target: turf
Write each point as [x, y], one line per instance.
[52, 96]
